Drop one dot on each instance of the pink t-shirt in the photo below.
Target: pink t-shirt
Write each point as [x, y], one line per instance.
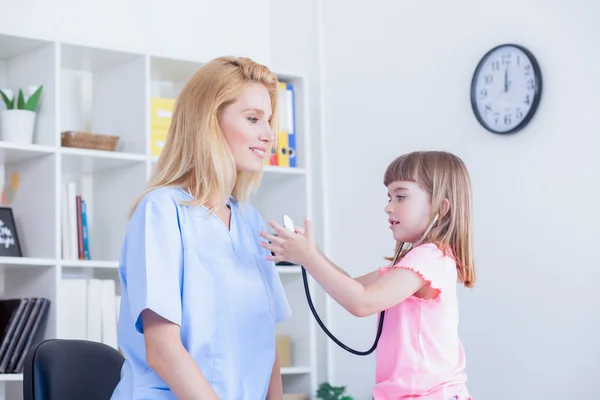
[419, 355]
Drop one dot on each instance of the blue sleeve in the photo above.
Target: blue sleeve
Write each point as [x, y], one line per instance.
[281, 307]
[154, 260]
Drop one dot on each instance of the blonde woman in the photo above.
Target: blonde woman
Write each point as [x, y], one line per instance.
[199, 300]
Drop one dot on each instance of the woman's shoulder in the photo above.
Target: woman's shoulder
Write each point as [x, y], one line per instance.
[162, 201]
[164, 196]
[157, 211]
[167, 194]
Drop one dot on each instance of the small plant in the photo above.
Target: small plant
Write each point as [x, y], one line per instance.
[328, 392]
[21, 104]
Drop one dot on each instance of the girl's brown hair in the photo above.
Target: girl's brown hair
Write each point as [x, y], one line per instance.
[443, 176]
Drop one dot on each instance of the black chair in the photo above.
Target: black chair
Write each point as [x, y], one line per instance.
[60, 369]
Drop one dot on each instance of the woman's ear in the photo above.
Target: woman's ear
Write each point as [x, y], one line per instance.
[444, 208]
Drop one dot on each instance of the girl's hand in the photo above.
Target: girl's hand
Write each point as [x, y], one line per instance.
[295, 247]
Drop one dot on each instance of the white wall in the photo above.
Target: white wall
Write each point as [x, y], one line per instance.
[198, 30]
[396, 79]
[295, 46]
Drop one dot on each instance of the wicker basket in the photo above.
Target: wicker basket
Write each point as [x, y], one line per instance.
[87, 140]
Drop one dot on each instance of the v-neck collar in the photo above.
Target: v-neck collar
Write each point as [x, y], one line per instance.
[233, 225]
[233, 220]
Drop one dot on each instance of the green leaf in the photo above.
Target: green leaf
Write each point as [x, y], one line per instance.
[10, 103]
[32, 102]
[324, 392]
[21, 100]
[328, 392]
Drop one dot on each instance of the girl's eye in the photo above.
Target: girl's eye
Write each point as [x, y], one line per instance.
[399, 198]
[253, 119]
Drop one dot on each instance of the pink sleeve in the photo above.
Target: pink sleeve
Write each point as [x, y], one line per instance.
[430, 263]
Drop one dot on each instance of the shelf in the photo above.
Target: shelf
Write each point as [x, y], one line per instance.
[25, 262]
[11, 377]
[286, 270]
[284, 371]
[169, 70]
[269, 170]
[16, 152]
[11, 46]
[295, 370]
[88, 161]
[88, 59]
[90, 264]
[289, 76]
[289, 269]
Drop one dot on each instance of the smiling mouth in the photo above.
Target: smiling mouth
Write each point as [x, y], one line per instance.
[259, 152]
[392, 223]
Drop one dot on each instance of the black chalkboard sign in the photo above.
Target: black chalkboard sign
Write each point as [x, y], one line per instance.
[9, 241]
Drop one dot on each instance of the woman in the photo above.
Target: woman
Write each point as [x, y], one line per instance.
[199, 300]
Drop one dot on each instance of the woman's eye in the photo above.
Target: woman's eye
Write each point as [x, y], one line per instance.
[253, 119]
[400, 197]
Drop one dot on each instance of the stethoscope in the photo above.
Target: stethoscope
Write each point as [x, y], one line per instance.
[289, 224]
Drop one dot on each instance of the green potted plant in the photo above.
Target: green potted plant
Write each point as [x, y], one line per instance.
[17, 122]
[328, 392]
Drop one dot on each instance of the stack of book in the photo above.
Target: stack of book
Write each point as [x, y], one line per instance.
[75, 230]
[89, 310]
[161, 111]
[21, 323]
[284, 152]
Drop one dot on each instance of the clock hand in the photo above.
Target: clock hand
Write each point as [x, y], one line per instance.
[506, 79]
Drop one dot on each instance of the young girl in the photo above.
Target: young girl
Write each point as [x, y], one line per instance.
[419, 355]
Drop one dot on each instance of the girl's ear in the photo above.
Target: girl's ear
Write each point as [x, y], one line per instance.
[444, 208]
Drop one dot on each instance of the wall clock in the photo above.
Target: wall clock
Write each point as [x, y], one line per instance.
[506, 88]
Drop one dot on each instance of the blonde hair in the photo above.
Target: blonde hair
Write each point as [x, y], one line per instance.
[443, 176]
[196, 155]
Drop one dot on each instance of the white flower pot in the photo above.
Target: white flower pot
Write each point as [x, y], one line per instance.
[17, 125]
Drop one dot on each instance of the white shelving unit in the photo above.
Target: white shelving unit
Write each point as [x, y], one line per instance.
[108, 91]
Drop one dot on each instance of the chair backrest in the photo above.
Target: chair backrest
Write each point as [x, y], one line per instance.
[71, 370]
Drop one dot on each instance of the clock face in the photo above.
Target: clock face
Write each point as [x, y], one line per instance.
[506, 89]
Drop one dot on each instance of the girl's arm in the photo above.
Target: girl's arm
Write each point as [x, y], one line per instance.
[171, 361]
[364, 280]
[377, 295]
[275, 391]
[361, 301]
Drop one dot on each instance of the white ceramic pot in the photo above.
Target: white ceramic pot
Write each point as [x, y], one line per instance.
[17, 125]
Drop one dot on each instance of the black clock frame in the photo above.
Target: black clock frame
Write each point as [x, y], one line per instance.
[536, 98]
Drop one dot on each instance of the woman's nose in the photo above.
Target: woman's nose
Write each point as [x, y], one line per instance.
[268, 135]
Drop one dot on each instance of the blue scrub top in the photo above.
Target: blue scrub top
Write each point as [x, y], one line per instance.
[186, 266]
